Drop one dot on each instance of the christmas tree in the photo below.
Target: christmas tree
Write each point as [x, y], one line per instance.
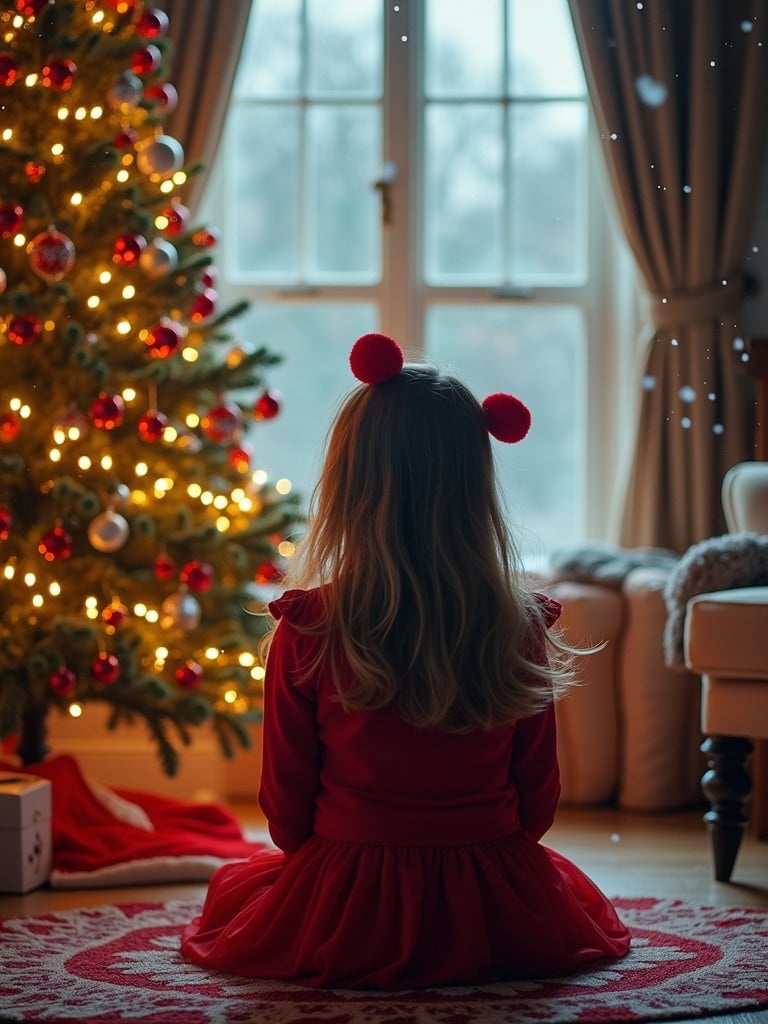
[135, 526]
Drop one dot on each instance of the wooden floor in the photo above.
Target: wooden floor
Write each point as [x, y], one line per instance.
[626, 854]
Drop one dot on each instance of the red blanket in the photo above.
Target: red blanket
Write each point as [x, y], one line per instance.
[104, 837]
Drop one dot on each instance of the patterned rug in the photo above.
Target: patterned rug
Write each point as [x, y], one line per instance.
[109, 964]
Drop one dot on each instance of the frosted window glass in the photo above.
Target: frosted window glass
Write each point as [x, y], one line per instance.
[544, 60]
[344, 154]
[345, 48]
[264, 146]
[539, 354]
[548, 187]
[465, 48]
[464, 166]
[314, 340]
[270, 60]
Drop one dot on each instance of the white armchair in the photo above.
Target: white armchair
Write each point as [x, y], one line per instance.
[726, 642]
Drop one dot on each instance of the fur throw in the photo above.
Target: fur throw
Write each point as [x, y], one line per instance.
[720, 563]
[606, 564]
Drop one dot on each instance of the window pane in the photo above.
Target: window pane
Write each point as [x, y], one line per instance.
[343, 208]
[464, 192]
[345, 48]
[269, 63]
[464, 48]
[314, 340]
[549, 192]
[544, 60]
[262, 225]
[537, 353]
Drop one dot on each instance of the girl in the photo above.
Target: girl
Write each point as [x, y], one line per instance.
[410, 763]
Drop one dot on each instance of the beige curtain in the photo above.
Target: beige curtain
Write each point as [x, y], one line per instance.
[679, 90]
[207, 38]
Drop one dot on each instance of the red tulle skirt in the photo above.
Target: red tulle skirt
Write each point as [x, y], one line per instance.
[347, 915]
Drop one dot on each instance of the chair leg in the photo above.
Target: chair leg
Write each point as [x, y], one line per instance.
[726, 784]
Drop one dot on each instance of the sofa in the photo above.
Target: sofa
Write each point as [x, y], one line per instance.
[629, 733]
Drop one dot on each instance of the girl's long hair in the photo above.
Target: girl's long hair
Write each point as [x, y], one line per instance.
[425, 607]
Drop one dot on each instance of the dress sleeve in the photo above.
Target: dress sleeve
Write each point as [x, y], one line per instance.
[534, 768]
[291, 764]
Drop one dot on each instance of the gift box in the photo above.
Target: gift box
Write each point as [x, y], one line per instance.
[25, 832]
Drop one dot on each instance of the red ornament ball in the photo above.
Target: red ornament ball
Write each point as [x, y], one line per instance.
[164, 96]
[11, 219]
[152, 23]
[151, 425]
[222, 423]
[375, 358]
[55, 545]
[189, 675]
[208, 277]
[197, 575]
[107, 411]
[205, 238]
[105, 668]
[164, 567]
[10, 425]
[128, 248]
[177, 216]
[31, 8]
[63, 682]
[268, 572]
[24, 329]
[203, 306]
[508, 419]
[115, 614]
[6, 521]
[267, 406]
[126, 138]
[34, 171]
[51, 255]
[165, 338]
[145, 60]
[9, 69]
[59, 75]
[241, 457]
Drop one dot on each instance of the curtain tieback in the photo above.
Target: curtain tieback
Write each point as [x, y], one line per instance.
[693, 305]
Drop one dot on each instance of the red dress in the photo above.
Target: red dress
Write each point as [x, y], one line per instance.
[408, 857]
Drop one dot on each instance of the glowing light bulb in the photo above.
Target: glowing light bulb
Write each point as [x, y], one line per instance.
[141, 469]
[192, 420]
[259, 477]
[246, 659]
[80, 114]
[54, 589]
[230, 696]
[105, 276]
[152, 615]
[106, 462]
[93, 301]
[75, 710]
[7, 134]
[286, 548]
[54, 455]
[140, 610]
[76, 198]
[194, 490]
[30, 579]
[62, 113]
[31, 80]
[9, 571]
[37, 601]
[258, 673]
[123, 327]
[129, 394]
[96, 113]
[161, 653]
[122, 176]
[166, 186]
[283, 486]
[223, 524]
[129, 291]
[20, 240]
[179, 178]
[190, 355]
[84, 462]
[220, 502]
[57, 149]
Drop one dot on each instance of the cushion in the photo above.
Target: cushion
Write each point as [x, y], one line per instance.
[725, 633]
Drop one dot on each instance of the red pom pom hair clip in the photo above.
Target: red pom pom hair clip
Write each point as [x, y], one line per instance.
[377, 358]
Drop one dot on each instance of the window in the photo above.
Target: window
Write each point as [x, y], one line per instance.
[425, 169]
